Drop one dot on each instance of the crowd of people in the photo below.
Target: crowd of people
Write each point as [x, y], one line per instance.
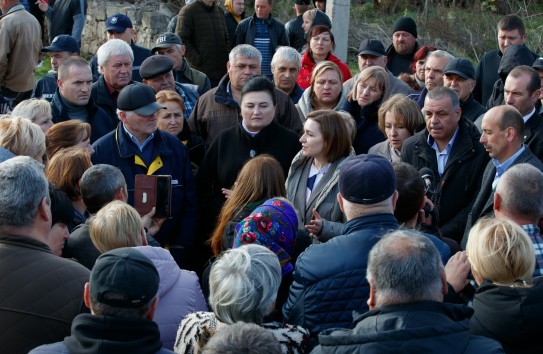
[236, 189]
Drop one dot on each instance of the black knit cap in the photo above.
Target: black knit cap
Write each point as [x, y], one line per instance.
[406, 24]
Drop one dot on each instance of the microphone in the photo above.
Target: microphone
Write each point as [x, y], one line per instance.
[428, 178]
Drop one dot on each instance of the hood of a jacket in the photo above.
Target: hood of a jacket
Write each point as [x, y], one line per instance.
[92, 334]
[165, 265]
[514, 56]
[321, 19]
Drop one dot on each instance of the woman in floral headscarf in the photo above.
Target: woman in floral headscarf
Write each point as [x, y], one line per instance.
[273, 225]
[234, 12]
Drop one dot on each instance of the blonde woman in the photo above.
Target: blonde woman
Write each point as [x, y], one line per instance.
[507, 304]
[118, 225]
[37, 110]
[325, 92]
[22, 138]
[370, 90]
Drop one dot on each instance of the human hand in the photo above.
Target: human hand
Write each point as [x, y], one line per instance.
[43, 5]
[226, 192]
[152, 223]
[315, 225]
[457, 270]
[423, 219]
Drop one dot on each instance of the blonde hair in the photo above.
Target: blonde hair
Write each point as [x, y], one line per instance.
[317, 71]
[377, 73]
[405, 111]
[500, 251]
[116, 225]
[23, 138]
[32, 109]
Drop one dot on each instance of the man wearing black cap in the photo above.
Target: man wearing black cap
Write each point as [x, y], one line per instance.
[120, 26]
[72, 98]
[138, 147]
[20, 38]
[323, 297]
[170, 45]
[122, 297]
[460, 76]
[372, 53]
[404, 46]
[62, 47]
[295, 32]
[65, 17]
[156, 71]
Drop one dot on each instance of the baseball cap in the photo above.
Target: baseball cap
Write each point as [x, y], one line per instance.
[139, 98]
[127, 272]
[166, 40]
[62, 43]
[366, 179]
[155, 65]
[538, 64]
[371, 47]
[118, 23]
[461, 67]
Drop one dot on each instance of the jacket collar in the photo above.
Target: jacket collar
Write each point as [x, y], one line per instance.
[385, 221]
[127, 148]
[23, 241]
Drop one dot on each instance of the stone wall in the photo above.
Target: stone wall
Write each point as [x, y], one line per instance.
[149, 18]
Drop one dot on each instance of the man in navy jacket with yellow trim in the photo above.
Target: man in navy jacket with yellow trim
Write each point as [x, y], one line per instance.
[138, 147]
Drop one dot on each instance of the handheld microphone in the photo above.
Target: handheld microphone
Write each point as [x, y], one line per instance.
[428, 178]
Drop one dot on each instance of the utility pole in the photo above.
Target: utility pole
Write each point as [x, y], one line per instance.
[338, 11]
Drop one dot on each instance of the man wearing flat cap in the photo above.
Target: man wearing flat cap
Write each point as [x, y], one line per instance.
[404, 46]
[138, 147]
[372, 53]
[122, 297]
[157, 72]
[61, 48]
[324, 296]
[295, 32]
[460, 76]
[170, 45]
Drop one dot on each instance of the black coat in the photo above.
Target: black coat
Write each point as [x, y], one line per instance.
[421, 327]
[510, 315]
[229, 152]
[461, 179]
[484, 203]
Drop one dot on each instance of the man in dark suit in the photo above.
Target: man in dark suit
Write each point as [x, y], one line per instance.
[502, 138]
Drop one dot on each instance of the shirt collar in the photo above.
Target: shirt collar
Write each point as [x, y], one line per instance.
[502, 167]
[433, 143]
[526, 117]
[135, 140]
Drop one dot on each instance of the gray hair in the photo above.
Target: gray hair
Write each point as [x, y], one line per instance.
[111, 48]
[287, 54]
[441, 92]
[405, 266]
[243, 284]
[99, 184]
[245, 50]
[521, 191]
[242, 338]
[32, 109]
[23, 188]
[440, 54]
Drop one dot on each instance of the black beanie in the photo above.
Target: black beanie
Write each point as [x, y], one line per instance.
[406, 24]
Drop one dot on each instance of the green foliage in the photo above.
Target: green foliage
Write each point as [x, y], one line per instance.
[42, 70]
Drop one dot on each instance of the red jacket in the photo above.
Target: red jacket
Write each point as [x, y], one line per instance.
[304, 78]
